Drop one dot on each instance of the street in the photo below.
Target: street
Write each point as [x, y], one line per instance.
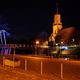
[51, 68]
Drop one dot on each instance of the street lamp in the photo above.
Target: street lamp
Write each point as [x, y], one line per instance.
[61, 42]
[37, 42]
[56, 44]
[73, 39]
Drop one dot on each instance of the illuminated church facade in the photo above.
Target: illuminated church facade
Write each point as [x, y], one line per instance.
[58, 32]
[57, 27]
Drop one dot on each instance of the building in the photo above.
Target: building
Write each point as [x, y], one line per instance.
[57, 26]
[58, 32]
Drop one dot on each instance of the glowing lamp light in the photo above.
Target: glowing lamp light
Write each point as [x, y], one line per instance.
[64, 47]
[61, 42]
[66, 58]
[56, 44]
[37, 42]
[73, 39]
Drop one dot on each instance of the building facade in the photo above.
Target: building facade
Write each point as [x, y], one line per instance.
[57, 27]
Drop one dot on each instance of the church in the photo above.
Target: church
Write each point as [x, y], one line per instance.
[61, 35]
[57, 27]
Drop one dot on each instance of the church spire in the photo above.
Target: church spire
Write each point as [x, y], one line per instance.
[57, 25]
[57, 8]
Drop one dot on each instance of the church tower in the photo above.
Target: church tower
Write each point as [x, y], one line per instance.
[57, 25]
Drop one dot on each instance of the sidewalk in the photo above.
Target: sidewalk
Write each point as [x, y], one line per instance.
[7, 73]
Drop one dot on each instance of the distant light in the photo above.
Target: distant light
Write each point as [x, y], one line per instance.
[56, 44]
[66, 58]
[61, 42]
[64, 47]
[46, 42]
[73, 39]
[44, 46]
[37, 42]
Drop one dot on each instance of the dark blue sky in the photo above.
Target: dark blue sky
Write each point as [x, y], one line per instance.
[70, 11]
[27, 19]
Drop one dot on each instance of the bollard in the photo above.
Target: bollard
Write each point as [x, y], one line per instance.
[3, 60]
[25, 64]
[35, 51]
[41, 67]
[13, 61]
[14, 52]
[61, 71]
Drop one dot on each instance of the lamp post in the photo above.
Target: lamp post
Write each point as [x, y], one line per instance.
[62, 43]
[36, 47]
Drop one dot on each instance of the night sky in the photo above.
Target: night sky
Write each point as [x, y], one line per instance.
[27, 19]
